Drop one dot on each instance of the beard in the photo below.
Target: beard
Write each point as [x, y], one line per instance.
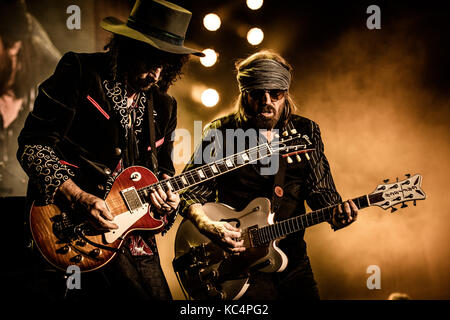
[139, 84]
[260, 119]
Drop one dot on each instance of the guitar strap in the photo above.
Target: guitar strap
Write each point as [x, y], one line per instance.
[278, 186]
[152, 163]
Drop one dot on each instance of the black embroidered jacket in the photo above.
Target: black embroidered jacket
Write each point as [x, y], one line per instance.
[77, 128]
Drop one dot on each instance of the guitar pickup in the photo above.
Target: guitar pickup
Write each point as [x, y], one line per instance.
[132, 199]
[253, 238]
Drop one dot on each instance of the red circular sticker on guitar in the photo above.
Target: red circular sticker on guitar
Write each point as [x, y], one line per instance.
[279, 191]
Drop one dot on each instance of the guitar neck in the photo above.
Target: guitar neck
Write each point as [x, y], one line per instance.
[211, 170]
[298, 223]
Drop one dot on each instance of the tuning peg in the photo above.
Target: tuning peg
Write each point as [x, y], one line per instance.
[386, 180]
[414, 202]
[289, 160]
[277, 136]
[404, 205]
[285, 133]
[298, 158]
[293, 131]
[307, 156]
[393, 209]
[408, 175]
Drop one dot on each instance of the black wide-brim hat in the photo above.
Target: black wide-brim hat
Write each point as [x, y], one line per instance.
[158, 23]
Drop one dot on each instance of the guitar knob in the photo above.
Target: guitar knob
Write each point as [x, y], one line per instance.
[77, 258]
[95, 253]
[63, 250]
[81, 243]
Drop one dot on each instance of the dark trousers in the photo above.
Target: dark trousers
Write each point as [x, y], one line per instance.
[296, 282]
[139, 277]
[126, 276]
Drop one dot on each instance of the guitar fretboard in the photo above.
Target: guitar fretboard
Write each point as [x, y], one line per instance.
[295, 224]
[209, 171]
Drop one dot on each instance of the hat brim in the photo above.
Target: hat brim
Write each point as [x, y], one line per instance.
[117, 26]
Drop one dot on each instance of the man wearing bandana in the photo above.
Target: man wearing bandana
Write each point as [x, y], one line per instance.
[265, 106]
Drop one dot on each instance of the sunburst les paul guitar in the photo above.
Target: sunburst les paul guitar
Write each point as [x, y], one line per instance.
[65, 237]
[207, 272]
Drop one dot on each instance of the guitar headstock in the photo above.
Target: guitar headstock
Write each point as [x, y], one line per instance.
[291, 145]
[390, 194]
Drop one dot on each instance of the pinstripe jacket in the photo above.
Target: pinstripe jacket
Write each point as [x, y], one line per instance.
[306, 182]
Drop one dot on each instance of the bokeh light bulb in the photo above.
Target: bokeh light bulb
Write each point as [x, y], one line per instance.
[254, 4]
[209, 59]
[210, 97]
[255, 36]
[211, 22]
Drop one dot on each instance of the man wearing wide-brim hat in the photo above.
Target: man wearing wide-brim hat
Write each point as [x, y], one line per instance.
[99, 114]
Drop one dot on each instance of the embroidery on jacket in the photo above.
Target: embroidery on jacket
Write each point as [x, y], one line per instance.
[43, 166]
[118, 95]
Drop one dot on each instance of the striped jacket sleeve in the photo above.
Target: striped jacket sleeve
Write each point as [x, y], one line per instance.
[321, 188]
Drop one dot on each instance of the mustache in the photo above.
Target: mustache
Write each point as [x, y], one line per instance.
[145, 82]
[266, 108]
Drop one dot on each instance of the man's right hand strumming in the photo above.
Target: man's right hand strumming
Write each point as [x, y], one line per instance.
[94, 206]
[220, 232]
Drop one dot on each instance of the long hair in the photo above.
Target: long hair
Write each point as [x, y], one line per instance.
[15, 25]
[124, 50]
[241, 107]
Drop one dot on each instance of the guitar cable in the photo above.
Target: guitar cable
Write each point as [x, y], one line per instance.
[185, 293]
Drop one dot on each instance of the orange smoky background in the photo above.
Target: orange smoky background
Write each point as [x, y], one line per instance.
[381, 98]
[383, 109]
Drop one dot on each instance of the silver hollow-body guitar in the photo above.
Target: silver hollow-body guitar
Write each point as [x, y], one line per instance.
[206, 272]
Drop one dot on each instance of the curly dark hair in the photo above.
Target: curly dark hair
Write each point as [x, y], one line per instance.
[126, 51]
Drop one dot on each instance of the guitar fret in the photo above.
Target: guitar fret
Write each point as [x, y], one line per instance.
[194, 177]
[264, 234]
[292, 223]
[279, 231]
[269, 234]
[222, 167]
[298, 225]
[207, 171]
[287, 227]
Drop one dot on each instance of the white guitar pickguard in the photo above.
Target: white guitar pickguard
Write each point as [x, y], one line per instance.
[124, 221]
